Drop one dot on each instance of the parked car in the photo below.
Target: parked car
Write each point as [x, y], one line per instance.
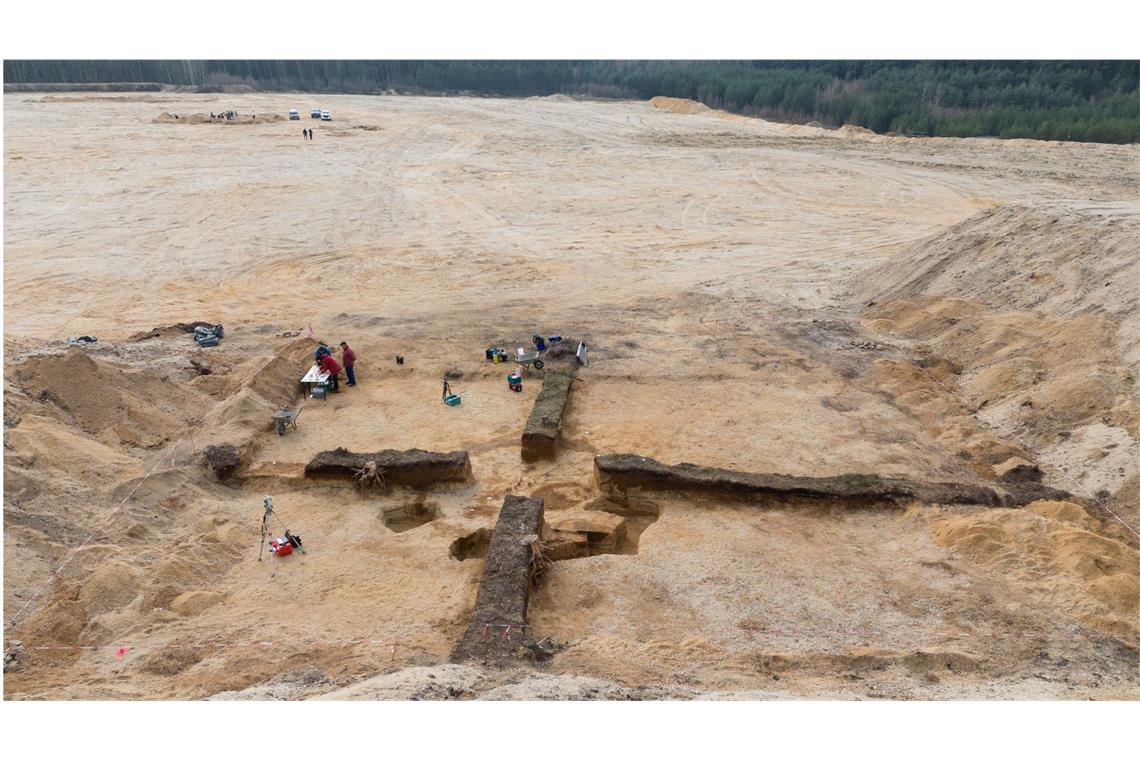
[326, 116]
[315, 113]
[294, 114]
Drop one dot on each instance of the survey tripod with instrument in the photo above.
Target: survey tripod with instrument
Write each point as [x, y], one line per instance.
[267, 518]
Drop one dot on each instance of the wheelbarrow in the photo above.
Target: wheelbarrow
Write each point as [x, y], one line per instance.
[284, 418]
[529, 357]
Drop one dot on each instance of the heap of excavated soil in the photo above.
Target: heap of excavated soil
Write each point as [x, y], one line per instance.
[678, 105]
[1050, 551]
[1061, 260]
[113, 402]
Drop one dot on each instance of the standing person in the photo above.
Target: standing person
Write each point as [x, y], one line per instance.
[329, 364]
[304, 134]
[348, 358]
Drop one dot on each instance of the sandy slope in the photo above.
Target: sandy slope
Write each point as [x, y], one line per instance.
[719, 266]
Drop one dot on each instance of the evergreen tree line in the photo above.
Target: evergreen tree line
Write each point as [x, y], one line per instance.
[1097, 101]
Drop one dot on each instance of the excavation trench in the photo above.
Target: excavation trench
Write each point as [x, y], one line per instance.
[471, 546]
[601, 527]
[408, 515]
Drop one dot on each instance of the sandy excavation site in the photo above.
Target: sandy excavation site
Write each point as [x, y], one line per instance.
[903, 372]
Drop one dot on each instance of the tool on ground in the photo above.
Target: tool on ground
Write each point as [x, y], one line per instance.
[533, 357]
[580, 354]
[450, 398]
[284, 418]
[282, 546]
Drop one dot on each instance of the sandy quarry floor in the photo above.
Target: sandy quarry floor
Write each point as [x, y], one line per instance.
[755, 296]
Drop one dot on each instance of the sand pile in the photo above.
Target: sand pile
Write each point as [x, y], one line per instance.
[80, 474]
[277, 379]
[1038, 308]
[111, 587]
[52, 452]
[1061, 260]
[1051, 386]
[115, 403]
[1049, 550]
[931, 398]
[678, 105]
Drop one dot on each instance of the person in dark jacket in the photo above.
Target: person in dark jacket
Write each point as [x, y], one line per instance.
[348, 357]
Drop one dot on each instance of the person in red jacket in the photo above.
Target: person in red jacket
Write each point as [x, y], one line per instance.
[348, 356]
[329, 364]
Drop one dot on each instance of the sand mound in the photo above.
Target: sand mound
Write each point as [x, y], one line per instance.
[170, 661]
[1055, 383]
[42, 447]
[111, 587]
[1062, 511]
[277, 380]
[167, 582]
[178, 329]
[1092, 578]
[194, 602]
[116, 403]
[1061, 260]
[678, 105]
[932, 400]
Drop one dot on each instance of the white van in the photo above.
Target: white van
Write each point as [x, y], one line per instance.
[294, 114]
[326, 116]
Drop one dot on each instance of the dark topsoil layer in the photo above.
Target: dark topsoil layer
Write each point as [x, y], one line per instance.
[413, 467]
[624, 471]
[504, 589]
[540, 439]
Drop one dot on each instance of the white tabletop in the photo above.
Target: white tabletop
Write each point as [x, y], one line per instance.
[315, 375]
